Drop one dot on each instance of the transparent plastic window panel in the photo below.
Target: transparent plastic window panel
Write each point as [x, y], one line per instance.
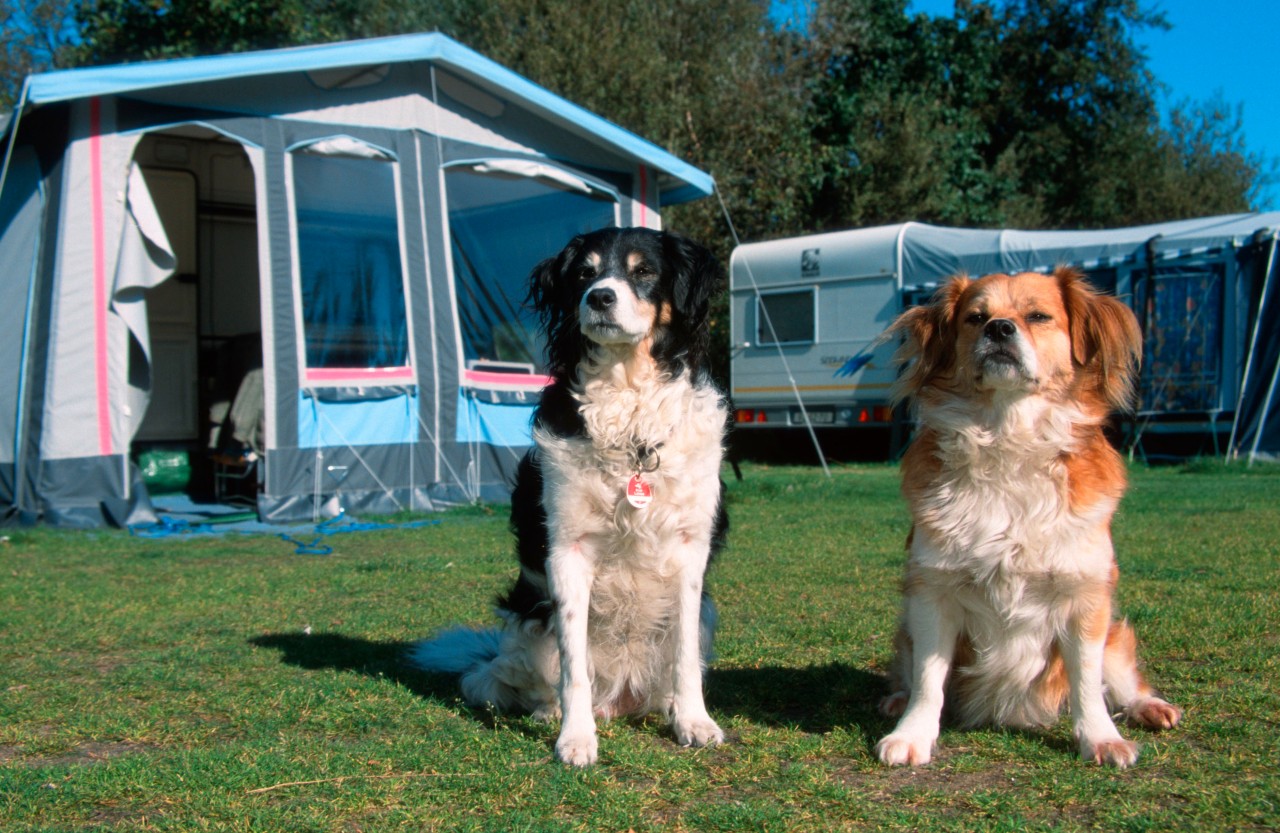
[353, 304]
[500, 227]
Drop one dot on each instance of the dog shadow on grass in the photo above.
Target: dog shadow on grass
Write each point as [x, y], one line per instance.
[335, 651]
[811, 699]
[814, 699]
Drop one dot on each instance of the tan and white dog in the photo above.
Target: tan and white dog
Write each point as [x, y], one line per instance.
[1012, 485]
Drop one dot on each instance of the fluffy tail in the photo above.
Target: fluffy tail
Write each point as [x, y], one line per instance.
[456, 651]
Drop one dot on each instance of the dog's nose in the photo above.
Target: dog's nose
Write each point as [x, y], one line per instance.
[601, 299]
[1000, 329]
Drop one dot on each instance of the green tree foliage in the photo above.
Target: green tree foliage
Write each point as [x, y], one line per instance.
[713, 82]
[1027, 113]
[117, 31]
[35, 35]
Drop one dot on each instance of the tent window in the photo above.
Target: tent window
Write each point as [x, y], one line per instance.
[1182, 349]
[793, 316]
[501, 225]
[353, 305]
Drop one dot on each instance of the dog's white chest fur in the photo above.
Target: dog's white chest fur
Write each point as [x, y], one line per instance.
[996, 535]
[666, 431]
[998, 506]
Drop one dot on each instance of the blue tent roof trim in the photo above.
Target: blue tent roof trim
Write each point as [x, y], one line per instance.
[66, 85]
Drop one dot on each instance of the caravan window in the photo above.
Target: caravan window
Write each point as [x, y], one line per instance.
[787, 317]
[351, 281]
[503, 220]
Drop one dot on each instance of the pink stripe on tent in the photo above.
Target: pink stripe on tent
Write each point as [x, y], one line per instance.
[360, 375]
[527, 381]
[99, 276]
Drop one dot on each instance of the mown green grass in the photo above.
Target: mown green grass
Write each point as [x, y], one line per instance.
[173, 685]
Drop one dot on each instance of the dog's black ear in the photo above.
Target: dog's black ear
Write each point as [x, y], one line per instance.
[549, 276]
[551, 296]
[696, 280]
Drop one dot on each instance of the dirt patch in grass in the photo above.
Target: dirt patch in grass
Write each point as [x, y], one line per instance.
[945, 791]
[82, 754]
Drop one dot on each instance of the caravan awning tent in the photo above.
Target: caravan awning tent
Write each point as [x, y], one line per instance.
[329, 242]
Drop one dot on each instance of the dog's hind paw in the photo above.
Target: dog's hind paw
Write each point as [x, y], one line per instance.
[701, 731]
[1154, 713]
[577, 750]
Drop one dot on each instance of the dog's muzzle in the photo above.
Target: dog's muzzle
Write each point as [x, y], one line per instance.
[601, 299]
[1003, 356]
[1000, 330]
[609, 313]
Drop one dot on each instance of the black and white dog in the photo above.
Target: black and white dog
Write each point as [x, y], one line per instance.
[618, 509]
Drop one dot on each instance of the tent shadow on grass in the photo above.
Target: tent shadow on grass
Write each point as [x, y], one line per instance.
[812, 699]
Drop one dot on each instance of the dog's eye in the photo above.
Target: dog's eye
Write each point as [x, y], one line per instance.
[586, 273]
[975, 318]
[644, 271]
[1038, 318]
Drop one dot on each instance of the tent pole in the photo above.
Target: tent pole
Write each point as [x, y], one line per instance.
[795, 389]
[13, 134]
[19, 425]
[1266, 408]
[1232, 451]
[1271, 392]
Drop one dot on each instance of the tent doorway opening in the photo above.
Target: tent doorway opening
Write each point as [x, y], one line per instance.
[201, 433]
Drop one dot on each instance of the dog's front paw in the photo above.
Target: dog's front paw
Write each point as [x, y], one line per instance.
[1154, 713]
[1116, 752]
[905, 750]
[700, 731]
[577, 750]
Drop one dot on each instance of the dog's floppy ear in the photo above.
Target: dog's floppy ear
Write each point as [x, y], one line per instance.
[928, 334]
[696, 279]
[549, 276]
[1106, 342]
[549, 284]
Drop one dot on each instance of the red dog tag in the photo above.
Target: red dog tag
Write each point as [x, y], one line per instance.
[639, 493]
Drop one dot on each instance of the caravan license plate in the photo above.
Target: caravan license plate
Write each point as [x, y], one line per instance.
[818, 416]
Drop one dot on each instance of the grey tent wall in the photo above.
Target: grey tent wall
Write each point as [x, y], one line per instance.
[298, 480]
[448, 461]
[71, 491]
[46, 131]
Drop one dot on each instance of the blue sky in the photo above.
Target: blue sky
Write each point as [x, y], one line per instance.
[1228, 49]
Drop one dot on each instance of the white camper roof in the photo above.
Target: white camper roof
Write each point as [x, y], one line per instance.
[919, 253]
